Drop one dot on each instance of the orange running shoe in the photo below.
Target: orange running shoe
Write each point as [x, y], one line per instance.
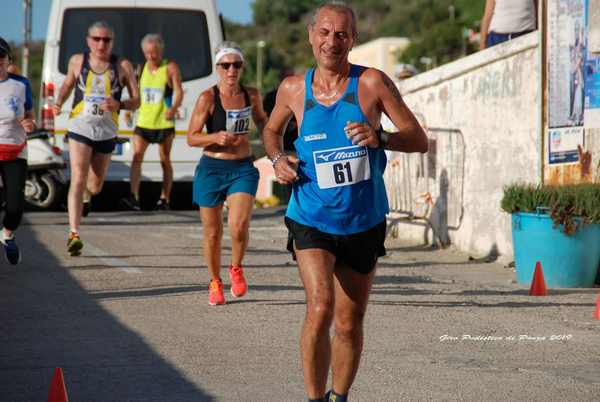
[238, 282]
[215, 293]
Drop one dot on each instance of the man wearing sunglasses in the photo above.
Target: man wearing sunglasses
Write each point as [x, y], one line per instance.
[98, 77]
[336, 216]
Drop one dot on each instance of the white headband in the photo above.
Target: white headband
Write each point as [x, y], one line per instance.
[227, 50]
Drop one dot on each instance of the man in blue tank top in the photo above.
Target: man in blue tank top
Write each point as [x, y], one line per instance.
[336, 214]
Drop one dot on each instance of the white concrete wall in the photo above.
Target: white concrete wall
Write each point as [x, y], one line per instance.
[483, 112]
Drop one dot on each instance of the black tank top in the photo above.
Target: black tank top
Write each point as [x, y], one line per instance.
[217, 121]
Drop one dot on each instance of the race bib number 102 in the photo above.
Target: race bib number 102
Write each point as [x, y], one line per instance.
[342, 166]
[238, 121]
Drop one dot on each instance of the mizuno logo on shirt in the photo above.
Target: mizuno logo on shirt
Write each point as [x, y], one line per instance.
[340, 154]
[325, 157]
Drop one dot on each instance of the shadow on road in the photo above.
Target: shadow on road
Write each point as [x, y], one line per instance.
[49, 320]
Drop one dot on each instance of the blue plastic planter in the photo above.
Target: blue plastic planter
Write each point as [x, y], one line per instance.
[567, 261]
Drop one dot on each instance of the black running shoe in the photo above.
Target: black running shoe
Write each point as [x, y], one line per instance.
[131, 203]
[163, 205]
[11, 251]
[87, 207]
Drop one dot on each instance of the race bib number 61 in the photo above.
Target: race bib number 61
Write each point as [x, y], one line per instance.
[342, 166]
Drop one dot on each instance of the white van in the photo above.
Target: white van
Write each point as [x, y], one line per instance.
[191, 30]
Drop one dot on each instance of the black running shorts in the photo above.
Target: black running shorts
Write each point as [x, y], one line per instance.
[359, 251]
[154, 136]
[98, 147]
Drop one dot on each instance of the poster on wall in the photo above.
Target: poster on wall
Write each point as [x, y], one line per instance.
[592, 65]
[567, 36]
[563, 144]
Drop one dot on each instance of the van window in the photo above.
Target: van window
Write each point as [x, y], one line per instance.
[185, 34]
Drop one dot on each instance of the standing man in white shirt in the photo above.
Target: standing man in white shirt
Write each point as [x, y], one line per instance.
[507, 19]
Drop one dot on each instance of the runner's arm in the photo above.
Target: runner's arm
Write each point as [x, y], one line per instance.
[67, 86]
[196, 137]
[285, 165]
[175, 81]
[132, 87]
[258, 113]
[410, 136]
[28, 121]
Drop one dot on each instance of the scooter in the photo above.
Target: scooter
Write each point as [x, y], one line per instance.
[45, 184]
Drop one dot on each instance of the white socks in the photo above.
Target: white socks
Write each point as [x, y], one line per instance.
[6, 236]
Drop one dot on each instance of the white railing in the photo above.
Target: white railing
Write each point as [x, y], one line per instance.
[428, 187]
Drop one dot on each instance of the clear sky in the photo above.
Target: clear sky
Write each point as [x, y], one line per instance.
[11, 16]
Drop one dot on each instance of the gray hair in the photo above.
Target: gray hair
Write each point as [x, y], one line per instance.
[228, 44]
[153, 38]
[338, 6]
[101, 25]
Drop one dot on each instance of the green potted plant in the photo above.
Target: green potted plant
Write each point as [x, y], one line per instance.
[558, 226]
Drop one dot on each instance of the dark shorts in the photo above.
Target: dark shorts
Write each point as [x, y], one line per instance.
[154, 136]
[215, 179]
[359, 251]
[100, 147]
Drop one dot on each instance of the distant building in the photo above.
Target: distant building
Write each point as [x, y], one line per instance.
[381, 53]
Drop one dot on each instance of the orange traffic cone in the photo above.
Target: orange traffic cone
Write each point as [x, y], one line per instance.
[597, 312]
[538, 285]
[58, 391]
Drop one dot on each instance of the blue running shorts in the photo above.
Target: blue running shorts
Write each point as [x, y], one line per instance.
[215, 179]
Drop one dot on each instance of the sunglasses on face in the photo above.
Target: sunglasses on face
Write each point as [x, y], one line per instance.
[236, 64]
[104, 39]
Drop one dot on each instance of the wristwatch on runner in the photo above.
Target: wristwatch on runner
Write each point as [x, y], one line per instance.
[384, 137]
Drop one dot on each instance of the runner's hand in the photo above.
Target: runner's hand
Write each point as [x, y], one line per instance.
[110, 105]
[56, 109]
[361, 134]
[224, 138]
[286, 169]
[170, 113]
[237, 140]
[27, 124]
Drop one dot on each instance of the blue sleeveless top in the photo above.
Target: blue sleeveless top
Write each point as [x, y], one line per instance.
[340, 188]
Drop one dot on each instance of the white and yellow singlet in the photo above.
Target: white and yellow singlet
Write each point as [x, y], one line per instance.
[86, 118]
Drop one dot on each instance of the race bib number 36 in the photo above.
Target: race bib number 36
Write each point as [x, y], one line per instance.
[238, 121]
[91, 104]
[342, 166]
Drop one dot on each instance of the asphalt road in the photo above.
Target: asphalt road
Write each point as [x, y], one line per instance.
[129, 321]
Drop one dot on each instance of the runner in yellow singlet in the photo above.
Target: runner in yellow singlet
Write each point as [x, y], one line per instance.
[161, 95]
